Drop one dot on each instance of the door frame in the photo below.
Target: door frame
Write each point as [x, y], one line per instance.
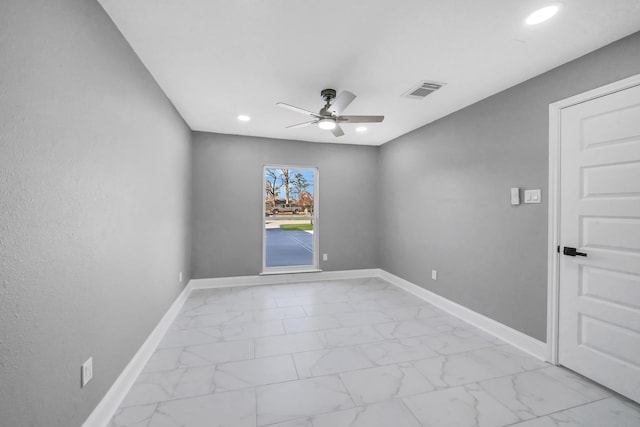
[554, 232]
[315, 267]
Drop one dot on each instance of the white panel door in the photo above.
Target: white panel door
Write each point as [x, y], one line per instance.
[600, 217]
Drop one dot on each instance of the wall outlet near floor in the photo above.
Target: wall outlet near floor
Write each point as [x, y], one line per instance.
[180, 277]
[324, 257]
[434, 275]
[87, 372]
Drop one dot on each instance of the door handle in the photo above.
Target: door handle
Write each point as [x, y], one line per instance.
[569, 251]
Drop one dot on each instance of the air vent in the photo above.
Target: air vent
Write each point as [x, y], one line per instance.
[422, 89]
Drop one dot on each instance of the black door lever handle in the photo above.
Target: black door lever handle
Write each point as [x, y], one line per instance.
[569, 251]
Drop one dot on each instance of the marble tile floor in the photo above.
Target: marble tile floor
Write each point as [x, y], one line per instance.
[357, 353]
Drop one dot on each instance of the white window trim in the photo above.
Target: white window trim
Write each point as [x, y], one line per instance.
[315, 267]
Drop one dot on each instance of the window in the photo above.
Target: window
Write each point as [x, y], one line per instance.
[290, 219]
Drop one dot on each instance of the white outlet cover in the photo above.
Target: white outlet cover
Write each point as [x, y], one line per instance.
[324, 257]
[87, 371]
[434, 275]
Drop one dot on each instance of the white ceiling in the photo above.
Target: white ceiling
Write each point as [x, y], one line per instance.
[216, 59]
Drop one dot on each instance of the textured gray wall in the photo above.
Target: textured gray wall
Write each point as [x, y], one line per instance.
[227, 202]
[94, 185]
[446, 201]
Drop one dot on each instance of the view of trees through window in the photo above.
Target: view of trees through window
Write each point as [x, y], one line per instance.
[289, 217]
[288, 191]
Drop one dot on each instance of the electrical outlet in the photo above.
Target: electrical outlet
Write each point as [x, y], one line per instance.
[87, 372]
[434, 275]
[180, 277]
[324, 257]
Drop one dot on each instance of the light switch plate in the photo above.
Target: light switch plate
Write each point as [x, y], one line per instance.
[532, 196]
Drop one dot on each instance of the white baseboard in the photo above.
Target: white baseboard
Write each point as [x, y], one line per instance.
[102, 414]
[223, 282]
[534, 347]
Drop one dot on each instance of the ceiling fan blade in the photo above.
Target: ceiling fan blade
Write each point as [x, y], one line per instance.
[296, 109]
[341, 102]
[299, 125]
[360, 119]
[337, 131]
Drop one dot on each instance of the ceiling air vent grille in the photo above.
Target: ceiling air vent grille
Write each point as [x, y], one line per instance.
[422, 89]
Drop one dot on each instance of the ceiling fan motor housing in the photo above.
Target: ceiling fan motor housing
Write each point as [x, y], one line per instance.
[328, 94]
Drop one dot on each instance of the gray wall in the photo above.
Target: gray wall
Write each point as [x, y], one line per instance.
[94, 185]
[228, 201]
[446, 203]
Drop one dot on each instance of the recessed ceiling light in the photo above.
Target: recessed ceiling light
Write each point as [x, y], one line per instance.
[244, 118]
[361, 129]
[543, 14]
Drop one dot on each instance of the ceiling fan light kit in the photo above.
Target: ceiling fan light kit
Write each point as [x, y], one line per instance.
[327, 124]
[329, 117]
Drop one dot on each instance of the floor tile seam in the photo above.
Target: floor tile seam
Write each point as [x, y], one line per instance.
[191, 396]
[214, 365]
[624, 399]
[122, 408]
[478, 381]
[480, 349]
[344, 385]
[460, 352]
[201, 365]
[355, 406]
[216, 325]
[255, 406]
[397, 397]
[295, 366]
[558, 411]
[480, 388]
[375, 365]
[304, 379]
[306, 315]
[222, 327]
[431, 334]
[409, 395]
[475, 350]
[439, 352]
[374, 324]
[608, 391]
[238, 307]
[361, 346]
[184, 347]
[437, 389]
[580, 377]
[219, 341]
[326, 302]
[328, 329]
[411, 410]
[342, 347]
[589, 400]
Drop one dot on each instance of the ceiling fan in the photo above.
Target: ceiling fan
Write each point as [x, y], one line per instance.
[330, 117]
